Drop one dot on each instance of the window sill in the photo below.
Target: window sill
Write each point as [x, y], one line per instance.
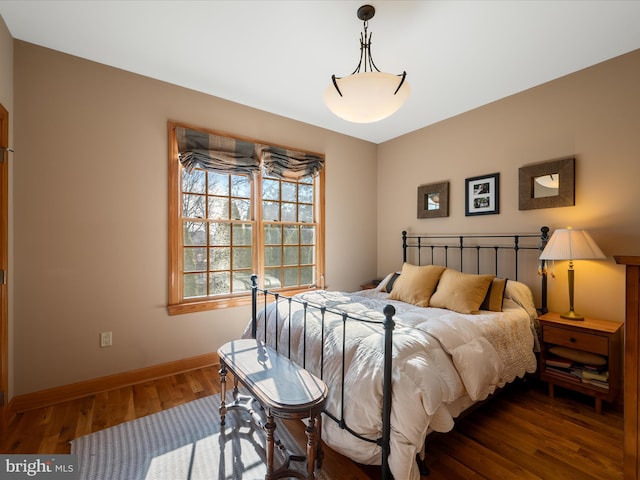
[227, 302]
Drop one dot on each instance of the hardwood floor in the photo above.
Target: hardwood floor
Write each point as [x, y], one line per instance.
[520, 434]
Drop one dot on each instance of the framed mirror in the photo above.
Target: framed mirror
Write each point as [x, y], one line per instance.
[433, 200]
[547, 184]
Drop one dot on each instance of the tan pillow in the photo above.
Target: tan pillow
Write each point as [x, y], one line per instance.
[416, 284]
[495, 295]
[460, 292]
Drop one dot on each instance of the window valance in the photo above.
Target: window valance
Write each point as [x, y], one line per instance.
[197, 149]
[289, 164]
[215, 152]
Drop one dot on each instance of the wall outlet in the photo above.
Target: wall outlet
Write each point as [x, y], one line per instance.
[105, 339]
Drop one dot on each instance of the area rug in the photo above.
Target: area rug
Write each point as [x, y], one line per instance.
[182, 443]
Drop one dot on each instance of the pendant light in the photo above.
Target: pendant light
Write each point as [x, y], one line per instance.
[367, 95]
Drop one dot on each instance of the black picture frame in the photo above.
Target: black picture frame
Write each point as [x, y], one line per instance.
[482, 195]
[433, 200]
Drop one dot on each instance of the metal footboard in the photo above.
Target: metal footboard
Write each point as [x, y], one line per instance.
[261, 298]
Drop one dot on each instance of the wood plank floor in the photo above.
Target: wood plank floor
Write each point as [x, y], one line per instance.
[520, 434]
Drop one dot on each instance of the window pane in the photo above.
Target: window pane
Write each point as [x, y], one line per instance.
[273, 256]
[271, 190]
[241, 282]
[271, 211]
[241, 257]
[194, 233]
[195, 259]
[305, 193]
[193, 206]
[272, 235]
[195, 285]
[306, 213]
[291, 256]
[306, 276]
[218, 208]
[289, 192]
[240, 186]
[194, 182]
[242, 234]
[289, 212]
[220, 258]
[219, 283]
[240, 209]
[306, 255]
[218, 184]
[291, 277]
[219, 234]
[272, 282]
[291, 235]
[308, 235]
[273, 276]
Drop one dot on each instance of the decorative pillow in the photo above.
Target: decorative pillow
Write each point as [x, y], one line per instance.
[578, 356]
[392, 280]
[495, 295]
[460, 292]
[416, 284]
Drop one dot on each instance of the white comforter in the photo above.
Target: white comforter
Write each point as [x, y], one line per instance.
[442, 362]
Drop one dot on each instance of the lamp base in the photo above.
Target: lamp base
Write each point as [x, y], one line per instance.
[571, 315]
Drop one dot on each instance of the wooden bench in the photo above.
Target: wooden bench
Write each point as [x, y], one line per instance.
[283, 389]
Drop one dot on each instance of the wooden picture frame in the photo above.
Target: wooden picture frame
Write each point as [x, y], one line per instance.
[433, 200]
[534, 192]
[482, 195]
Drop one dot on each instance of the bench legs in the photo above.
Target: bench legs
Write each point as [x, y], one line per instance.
[270, 428]
[311, 446]
[223, 392]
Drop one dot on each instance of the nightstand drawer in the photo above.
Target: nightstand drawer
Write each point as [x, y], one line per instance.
[578, 340]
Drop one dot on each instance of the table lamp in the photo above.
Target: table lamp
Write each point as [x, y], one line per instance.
[570, 244]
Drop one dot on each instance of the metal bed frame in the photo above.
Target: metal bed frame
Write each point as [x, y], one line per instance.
[420, 246]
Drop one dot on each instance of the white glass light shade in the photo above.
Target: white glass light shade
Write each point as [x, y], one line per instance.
[366, 97]
[570, 244]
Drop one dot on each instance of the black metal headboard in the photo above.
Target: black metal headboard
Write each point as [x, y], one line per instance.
[499, 254]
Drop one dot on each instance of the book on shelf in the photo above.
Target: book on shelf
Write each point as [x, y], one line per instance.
[596, 368]
[558, 362]
[564, 373]
[603, 377]
[597, 383]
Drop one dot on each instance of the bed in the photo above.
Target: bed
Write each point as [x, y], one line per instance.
[398, 366]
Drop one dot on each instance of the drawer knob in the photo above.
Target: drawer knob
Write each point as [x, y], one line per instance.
[572, 340]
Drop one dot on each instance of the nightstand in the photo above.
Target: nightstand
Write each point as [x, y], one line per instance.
[581, 345]
[371, 285]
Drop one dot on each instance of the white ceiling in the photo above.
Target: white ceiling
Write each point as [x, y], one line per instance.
[279, 56]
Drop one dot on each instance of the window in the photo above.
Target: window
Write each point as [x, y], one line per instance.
[227, 223]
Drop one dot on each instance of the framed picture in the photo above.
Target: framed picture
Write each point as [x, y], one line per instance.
[482, 195]
[433, 200]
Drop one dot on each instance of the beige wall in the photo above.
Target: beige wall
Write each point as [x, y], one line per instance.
[91, 216]
[593, 114]
[6, 99]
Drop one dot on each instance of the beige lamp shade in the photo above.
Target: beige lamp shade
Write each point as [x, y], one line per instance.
[366, 97]
[571, 244]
